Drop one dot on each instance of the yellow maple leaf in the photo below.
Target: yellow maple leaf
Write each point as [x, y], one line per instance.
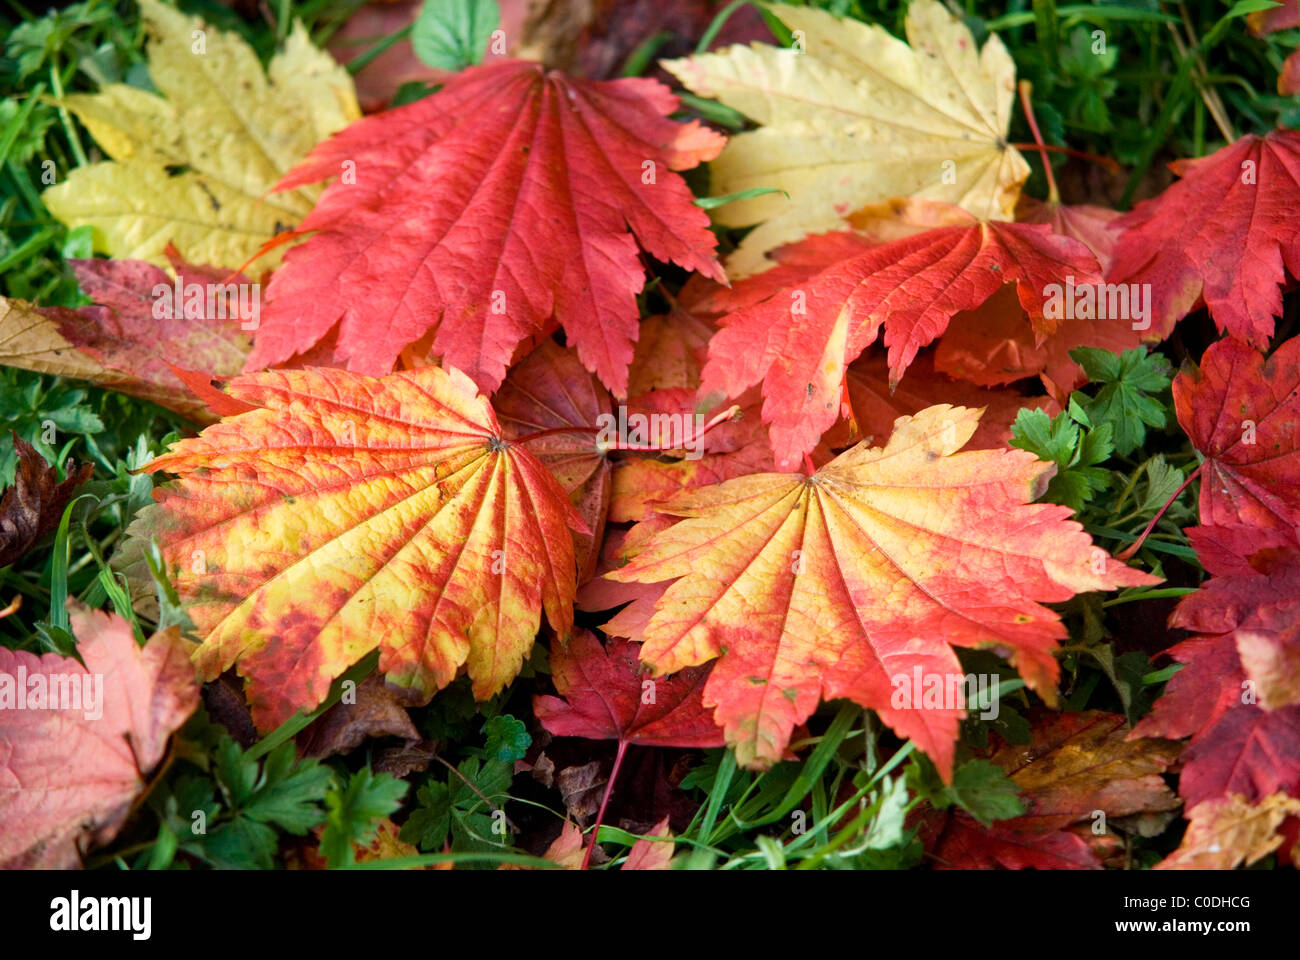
[852, 115]
[191, 167]
[32, 341]
[1227, 830]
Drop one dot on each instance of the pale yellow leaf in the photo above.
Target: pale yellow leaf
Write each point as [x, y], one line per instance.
[194, 166]
[858, 117]
[1225, 831]
[32, 341]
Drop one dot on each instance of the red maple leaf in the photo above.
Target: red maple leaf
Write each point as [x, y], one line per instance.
[1197, 695]
[1222, 233]
[604, 696]
[1247, 751]
[396, 501]
[1260, 611]
[70, 771]
[136, 332]
[1238, 696]
[841, 584]
[551, 404]
[812, 323]
[1226, 551]
[957, 841]
[1242, 412]
[511, 196]
[996, 344]
[1088, 224]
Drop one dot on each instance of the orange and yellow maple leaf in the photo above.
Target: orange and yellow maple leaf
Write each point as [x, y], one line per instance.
[349, 513]
[839, 583]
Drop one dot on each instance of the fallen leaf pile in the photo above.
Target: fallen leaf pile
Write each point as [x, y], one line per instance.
[462, 436]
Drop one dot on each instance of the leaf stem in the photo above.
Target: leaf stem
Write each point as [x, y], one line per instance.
[1137, 544]
[555, 431]
[1025, 88]
[604, 802]
[1106, 162]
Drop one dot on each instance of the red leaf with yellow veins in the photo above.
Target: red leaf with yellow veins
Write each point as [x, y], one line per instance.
[604, 696]
[349, 513]
[551, 394]
[69, 770]
[835, 585]
[800, 339]
[511, 196]
[1242, 412]
[1225, 233]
